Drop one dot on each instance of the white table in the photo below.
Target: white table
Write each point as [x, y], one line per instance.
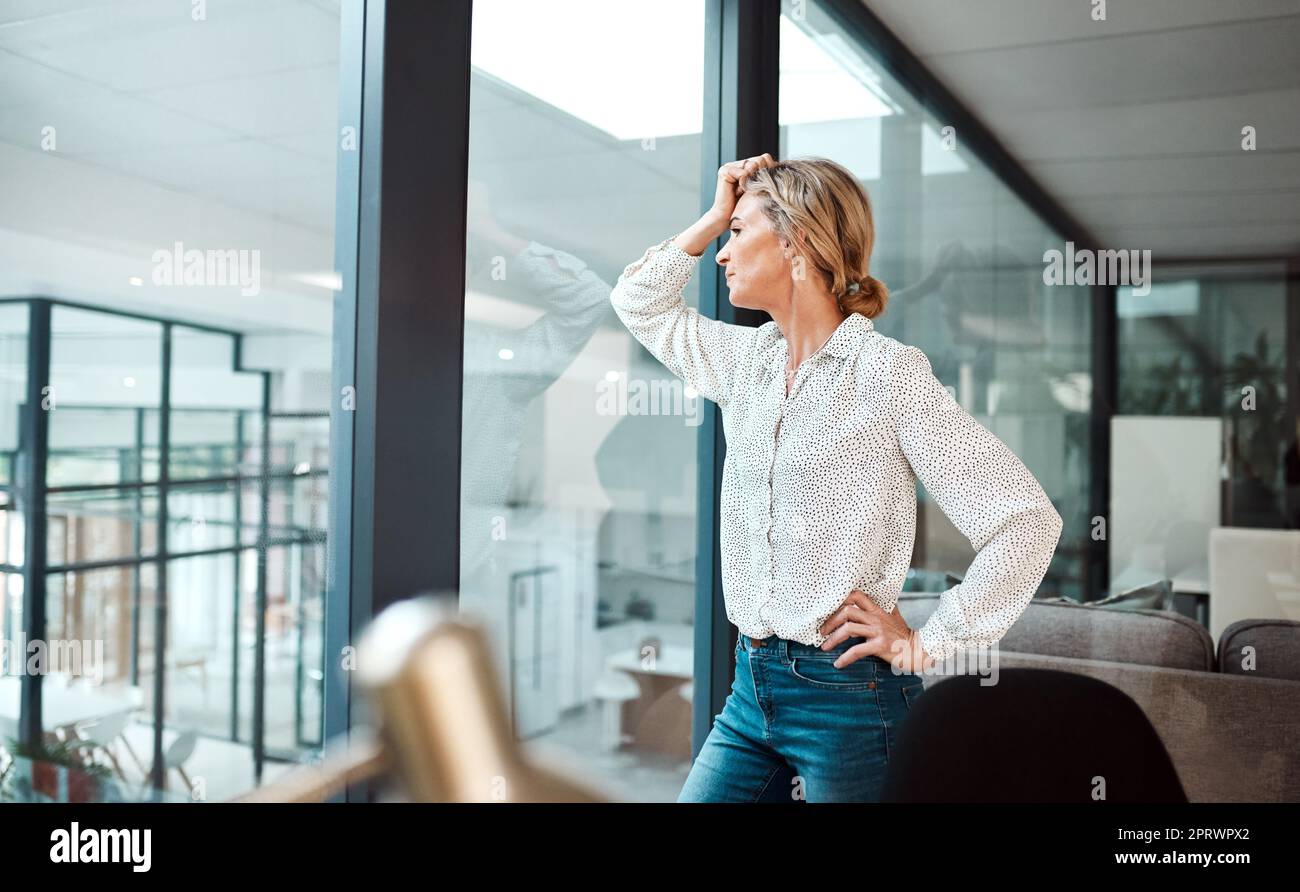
[650, 716]
[62, 706]
[671, 660]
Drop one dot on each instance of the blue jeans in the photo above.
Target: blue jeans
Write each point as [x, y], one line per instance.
[795, 727]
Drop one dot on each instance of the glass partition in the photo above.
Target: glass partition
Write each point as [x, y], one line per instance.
[169, 181]
[1203, 436]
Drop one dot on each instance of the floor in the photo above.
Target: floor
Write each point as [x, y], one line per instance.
[625, 775]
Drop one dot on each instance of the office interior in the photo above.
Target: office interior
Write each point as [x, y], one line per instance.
[213, 474]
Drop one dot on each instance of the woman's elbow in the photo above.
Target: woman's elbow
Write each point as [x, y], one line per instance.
[1050, 525]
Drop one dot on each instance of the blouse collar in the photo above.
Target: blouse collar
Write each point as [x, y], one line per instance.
[847, 339]
[844, 342]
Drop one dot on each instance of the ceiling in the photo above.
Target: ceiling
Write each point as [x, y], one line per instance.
[224, 132]
[216, 133]
[227, 107]
[1134, 124]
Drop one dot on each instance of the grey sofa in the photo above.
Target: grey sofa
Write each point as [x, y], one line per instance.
[1232, 727]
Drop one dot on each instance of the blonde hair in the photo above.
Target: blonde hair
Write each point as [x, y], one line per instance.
[822, 210]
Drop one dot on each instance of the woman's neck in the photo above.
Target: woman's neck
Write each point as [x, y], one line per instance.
[807, 323]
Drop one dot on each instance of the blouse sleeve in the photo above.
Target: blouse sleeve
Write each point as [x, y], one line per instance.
[988, 494]
[704, 353]
[576, 301]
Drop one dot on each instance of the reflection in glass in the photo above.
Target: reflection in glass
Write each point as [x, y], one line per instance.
[578, 515]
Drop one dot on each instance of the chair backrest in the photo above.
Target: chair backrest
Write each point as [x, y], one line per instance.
[1069, 629]
[181, 749]
[104, 731]
[1274, 649]
[1254, 574]
[1037, 735]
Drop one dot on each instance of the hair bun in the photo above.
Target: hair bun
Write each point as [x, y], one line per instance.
[867, 296]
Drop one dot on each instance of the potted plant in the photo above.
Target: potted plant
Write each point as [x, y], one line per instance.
[47, 759]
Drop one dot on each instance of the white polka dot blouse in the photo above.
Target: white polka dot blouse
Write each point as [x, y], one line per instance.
[819, 487]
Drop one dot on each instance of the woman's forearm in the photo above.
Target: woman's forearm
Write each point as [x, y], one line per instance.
[697, 237]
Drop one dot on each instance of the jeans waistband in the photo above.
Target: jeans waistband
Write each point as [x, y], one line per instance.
[787, 649]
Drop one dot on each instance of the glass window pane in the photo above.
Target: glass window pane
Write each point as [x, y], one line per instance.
[13, 383]
[12, 531]
[962, 258]
[203, 516]
[90, 613]
[1203, 388]
[211, 400]
[101, 524]
[105, 370]
[578, 526]
[294, 641]
[11, 617]
[200, 640]
[169, 171]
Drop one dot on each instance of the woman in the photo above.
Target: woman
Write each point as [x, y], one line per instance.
[828, 426]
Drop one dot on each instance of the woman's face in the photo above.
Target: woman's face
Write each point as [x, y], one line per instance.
[758, 272]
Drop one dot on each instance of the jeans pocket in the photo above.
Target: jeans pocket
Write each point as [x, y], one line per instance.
[912, 691]
[821, 673]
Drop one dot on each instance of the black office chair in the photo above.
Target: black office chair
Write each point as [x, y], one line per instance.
[1037, 735]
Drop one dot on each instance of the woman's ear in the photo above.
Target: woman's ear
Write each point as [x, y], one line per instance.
[793, 244]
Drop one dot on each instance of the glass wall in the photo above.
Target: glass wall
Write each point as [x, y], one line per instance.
[962, 257]
[578, 515]
[1202, 436]
[13, 394]
[171, 168]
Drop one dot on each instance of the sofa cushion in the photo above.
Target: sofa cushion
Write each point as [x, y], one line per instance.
[1276, 644]
[1155, 595]
[1069, 629]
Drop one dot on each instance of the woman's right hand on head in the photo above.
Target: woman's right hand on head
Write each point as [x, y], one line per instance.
[717, 219]
[731, 184]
